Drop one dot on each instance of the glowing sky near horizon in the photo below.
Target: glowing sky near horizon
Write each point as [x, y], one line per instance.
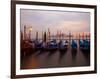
[64, 21]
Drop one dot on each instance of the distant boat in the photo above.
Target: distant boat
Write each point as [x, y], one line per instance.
[74, 44]
[63, 45]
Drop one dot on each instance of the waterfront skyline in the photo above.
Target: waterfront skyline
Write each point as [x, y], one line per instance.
[41, 20]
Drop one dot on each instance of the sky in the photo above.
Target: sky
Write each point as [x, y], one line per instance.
[64, 21]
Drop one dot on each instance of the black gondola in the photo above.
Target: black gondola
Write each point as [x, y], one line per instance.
[85, 45]
[63, 45]
[74, 45]
[52, 45]
[39, 45]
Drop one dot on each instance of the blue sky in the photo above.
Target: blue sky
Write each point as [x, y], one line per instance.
[64, 21]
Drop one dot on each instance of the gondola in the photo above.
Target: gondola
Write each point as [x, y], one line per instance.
[63, 45]
[52, 45]
[74, 45]
[84, 45]
[39, 45]
[26, 48]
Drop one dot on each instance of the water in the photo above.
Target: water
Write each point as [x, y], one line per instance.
[52, 59]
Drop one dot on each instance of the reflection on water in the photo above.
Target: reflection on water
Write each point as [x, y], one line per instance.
[74, 53]
[56, 58]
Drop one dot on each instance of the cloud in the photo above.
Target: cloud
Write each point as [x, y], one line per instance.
[65, 21]
[74, 26]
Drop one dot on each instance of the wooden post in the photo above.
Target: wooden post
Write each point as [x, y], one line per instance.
[24, 32]
[79, 41]
[70, 35]
[45, 37]
[30, 30]
[37, 35]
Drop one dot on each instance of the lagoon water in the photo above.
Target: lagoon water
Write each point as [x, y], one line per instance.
[53, 59]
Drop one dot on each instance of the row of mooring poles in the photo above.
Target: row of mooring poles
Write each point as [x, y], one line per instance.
[46, 36]
[27, 33]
